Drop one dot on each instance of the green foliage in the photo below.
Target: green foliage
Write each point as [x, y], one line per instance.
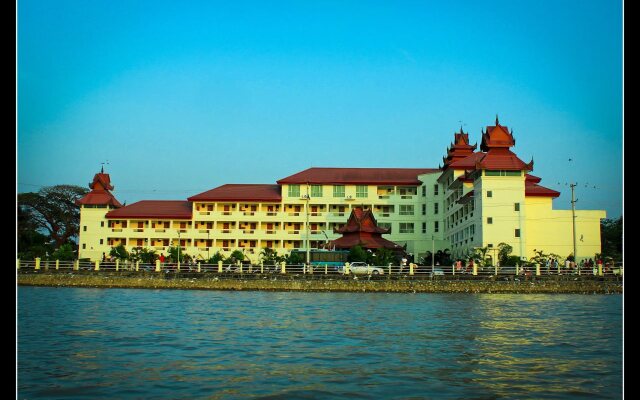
[270, 256]
[175, 254]
[53, 210]
[611, 237]
[236, 255]
[504, 250]
[511, 261]
[215, 258]
[119, 252]
[144, 255]
[479, 256]
[357, 253]
[383, 256]
[64, 253]
[294, 258]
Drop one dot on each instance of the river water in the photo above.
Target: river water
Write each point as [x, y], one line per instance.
[147, 344]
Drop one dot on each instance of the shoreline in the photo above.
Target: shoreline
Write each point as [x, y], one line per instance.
[292, 283]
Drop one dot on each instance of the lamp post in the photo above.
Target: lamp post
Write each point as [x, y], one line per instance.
[307, 212]
[433, 249]
[208, 247]
[178, 245]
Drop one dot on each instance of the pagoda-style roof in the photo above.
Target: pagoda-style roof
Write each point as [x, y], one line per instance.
[460, 148]
[497, 137]
[100, 192]
[363, 230]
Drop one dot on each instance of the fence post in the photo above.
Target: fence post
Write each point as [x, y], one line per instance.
[157, 265]
[284, 267]
[97, 267]
[389, 270]
[453, 270]
[138, 265]
[37, 263]
[117, 264]
[262, 267]
[538, 269]
[475, 269]
[325, 269]
[198, 266]
[558, 264]
[220, 266]
[599, 269]
[178, 264]
[410, 268]
[496, 269]
[346, 268]
[57, 264]
[517, 269]
[46, 265]
[18, 263]
[240, 265]
[579, 269]
[76, 265]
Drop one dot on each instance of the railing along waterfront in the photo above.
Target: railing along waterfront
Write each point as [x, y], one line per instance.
[410, 271]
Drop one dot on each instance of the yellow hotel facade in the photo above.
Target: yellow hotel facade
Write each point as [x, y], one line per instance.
[476, 199]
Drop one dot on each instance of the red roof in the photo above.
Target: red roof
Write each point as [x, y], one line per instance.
[152, 209]
[362, 221]
[240, 192]
[99, 197]
[532, 178]
[373, 176]
[496, 159]
[497, 136]
[101, 181]
[531, 189]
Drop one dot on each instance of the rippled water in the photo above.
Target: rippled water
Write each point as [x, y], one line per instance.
[126, 343]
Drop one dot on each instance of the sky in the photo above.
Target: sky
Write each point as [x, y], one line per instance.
[181, 97]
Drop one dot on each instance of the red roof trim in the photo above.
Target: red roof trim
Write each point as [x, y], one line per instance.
[154, 209]
[241, 192]
[355, 176]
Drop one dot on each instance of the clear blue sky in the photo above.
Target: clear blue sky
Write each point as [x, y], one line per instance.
[181, 97]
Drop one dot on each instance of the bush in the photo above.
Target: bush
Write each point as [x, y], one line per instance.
[119, 252]
[64, 253]
[357, 253]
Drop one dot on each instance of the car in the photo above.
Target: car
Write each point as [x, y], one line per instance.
[362, 268]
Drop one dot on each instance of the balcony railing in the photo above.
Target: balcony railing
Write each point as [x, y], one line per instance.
[247, 231]
[116, 230]
[384, 197]
[270, 232]
[160, 230]
[204, 213]
[293, 214]
[271, 214]
[226, 213]
[338, 214]
[139, 230]
[249, 213]
[293, 232]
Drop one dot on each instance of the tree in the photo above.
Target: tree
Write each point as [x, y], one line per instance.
[611, 237]
[479, 256]
[357, 253]
[294, 258]
[144, 255]
[176, 254]
[270, 256]
[215, 258]
[64, 253]
[504, 250]
[236, 255]
[52, 209]
[119, 252]
[383, 257]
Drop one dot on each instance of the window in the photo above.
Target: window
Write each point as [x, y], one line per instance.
[385, 225]
[435, 190]
[436, 226]
[84, 246]
[489, 193]
[316, 190]
[406, 210]
[102, 224]
[424, 191]
[294, 191]
[406, 227]
[424, 209]
[424, 227]
[338, 190]
[517, 232]
[489, 220]
[101, 241]
[516, 207]
[502, 173]
[84, 228]
[435, 208]
[361, 191]
[490, 245]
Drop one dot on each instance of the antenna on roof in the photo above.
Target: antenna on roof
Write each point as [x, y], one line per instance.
[497, 123]
[102, 168]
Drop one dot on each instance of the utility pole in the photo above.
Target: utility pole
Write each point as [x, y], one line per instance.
[573, 212]
[307, 212]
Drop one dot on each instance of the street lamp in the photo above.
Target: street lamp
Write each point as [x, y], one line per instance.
[208, 247]
[178, 245]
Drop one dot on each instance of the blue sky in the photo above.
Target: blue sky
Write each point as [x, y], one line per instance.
[181, 97]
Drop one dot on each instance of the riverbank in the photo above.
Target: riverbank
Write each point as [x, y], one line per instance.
[150, 281]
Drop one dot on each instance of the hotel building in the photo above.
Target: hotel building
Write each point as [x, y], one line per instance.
[476, 199]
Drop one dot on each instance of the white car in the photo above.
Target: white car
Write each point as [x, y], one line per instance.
[362, 268]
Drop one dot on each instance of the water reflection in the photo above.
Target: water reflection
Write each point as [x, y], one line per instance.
[176, 344]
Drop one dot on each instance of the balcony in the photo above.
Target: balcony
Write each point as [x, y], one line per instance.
[247, 231]
[293, 214]
[338, 214]
[293, 232]
[204, 213]
[139, 230]
[116, 230]
[248, 213]
[226, 212]
[384, 197]
[161, 230]
[271, 214]
[270, 232]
